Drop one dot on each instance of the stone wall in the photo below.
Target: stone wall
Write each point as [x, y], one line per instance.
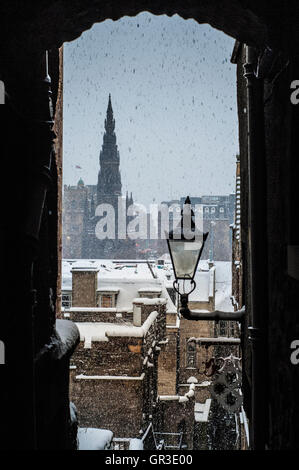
[110, 404]
[190, 329]
[108, 316]
[168, 363]
[125, 402]
[177, 417]
[84, 287]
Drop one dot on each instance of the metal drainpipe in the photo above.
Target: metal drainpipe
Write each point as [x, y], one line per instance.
[257, 250]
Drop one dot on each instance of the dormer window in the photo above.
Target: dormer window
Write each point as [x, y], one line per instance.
[106, 301]
[107, 297]
[191, 355]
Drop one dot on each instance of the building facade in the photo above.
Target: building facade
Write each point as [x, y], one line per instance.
[80, 204]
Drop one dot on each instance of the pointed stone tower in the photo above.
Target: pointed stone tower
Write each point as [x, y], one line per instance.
[109, 179]
[108, 190]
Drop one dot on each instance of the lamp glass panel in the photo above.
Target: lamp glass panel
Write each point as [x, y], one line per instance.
[185, 257]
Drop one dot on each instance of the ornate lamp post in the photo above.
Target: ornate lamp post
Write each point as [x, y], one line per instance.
[185, 244]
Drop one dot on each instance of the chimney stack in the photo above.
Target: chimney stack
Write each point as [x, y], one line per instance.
[84, 286]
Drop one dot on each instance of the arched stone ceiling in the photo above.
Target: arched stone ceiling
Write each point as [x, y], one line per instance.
[47, 24]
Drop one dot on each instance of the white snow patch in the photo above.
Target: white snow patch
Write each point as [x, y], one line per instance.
[136, 444]
[94, 439]
[201, 411]
[192, 380]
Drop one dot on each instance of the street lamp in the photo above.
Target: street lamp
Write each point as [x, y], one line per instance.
[185, 244]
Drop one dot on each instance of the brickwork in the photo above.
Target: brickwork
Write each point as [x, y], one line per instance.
[95, 316]
[125, 403]
[178, 417]
[73, 220]
[167, 372]
[84, 286]
[190, 329]
[110, 404]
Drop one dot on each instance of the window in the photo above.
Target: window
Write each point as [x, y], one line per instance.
[191, 355]
[206, 209]
[221, 209]
[66, 299]
[212, 209]
[106, 301]
[226, 328]
[222, 328]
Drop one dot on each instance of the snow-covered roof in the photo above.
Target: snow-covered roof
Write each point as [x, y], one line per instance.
[127, 279]
[201, 293]
[112, 289]
[130, 280]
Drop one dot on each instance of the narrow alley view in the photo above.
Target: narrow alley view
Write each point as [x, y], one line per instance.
[150, 118]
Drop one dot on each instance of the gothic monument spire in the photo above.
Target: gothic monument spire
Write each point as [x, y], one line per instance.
[109, 179]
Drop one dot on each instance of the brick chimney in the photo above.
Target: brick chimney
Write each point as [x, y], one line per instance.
[84, 286]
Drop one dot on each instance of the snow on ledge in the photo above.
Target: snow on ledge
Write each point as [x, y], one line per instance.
[135, 331]
[101, 332]
[192, 380]
[147, 301]
[179, 398]
[218, 339]
[150, 290]
[97, 309]
[136, 444]
[108, 377]
[94, 439]
[85, 269]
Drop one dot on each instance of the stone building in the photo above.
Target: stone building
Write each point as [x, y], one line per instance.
[80, 203]
[131, 338]
[114, 371]
[75, 199]
[217, 214]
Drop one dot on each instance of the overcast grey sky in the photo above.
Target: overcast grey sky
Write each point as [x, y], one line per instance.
[174, 101]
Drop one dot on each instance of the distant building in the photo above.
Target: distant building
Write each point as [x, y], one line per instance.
[217, 215]
[80, 203]
[75, 199]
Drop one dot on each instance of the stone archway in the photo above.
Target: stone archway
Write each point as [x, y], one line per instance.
[29, 28]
